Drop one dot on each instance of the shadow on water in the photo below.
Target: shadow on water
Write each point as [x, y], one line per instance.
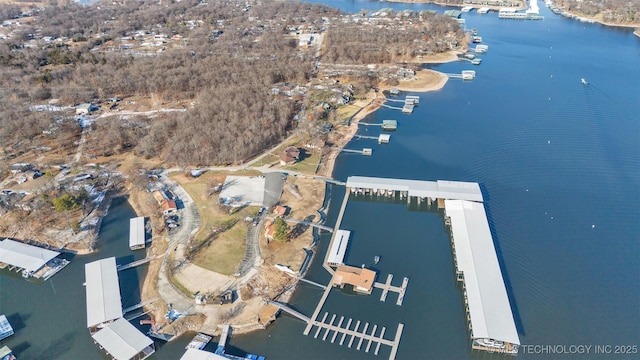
[17, 321]
[60, 346]
[505, 273]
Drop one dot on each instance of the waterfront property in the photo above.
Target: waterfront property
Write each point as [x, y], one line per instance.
[6, 329]
[136, 233]
[104, 304]
[338, 248]
[489, 313]
[361, 279]
[31, 261]
[122, 341]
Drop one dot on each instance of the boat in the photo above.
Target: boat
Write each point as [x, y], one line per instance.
[476, 61]
[490, 343]
[376, 259]
[199, 341]
[476, 39]
[584, 81]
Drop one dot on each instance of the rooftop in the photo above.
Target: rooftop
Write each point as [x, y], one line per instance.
[362, 279]
[123, 341]
[25, 256]
[102, 291]
[441, 189]
[476, 258]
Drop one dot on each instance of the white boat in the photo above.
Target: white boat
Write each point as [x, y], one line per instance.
[584, 81]
[376, 259]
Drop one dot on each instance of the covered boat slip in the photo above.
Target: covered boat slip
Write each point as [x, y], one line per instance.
[197, 354]
[136, 233]
[5, 327]
[338, 248]
[103, 292]
[25, 257]
[123, 341]
[440, 189]
[492, 324]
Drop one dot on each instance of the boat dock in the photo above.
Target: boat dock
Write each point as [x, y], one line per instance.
[31, 261]
[358, 333]
[386, 287]
[5, 327]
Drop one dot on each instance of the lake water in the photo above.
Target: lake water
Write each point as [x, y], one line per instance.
[559, 163]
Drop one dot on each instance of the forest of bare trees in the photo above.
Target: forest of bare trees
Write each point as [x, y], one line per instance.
[227, 77]
[625, 12]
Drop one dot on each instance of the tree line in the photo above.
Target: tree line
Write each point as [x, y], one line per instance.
[225, 66]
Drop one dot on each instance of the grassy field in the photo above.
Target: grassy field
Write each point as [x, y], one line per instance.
[307, 166]
[223, 253]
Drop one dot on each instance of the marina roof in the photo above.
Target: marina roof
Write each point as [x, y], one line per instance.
[122, 340]
[103, 291]
[196, 354]
[441, 189]
[476, 258]
[25, 256]
[136, 232]
[338, 247]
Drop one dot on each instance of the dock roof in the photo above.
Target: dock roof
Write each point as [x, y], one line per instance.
[361, 278]
[196, 354]
[25, 256]
[338, 247]
[102, 291]
[122, 340]
[476, 258]
[136, 232]
[441, 189]
[5, 327]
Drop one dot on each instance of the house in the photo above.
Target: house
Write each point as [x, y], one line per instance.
[168, 206]
[280, 210]
[361, 279]
[289, 156]
[269, 230]
[85, 109]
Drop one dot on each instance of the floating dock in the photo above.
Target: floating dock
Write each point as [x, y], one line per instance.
[389, 125]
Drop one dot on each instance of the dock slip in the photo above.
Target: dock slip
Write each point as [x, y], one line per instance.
[358, 332]
[386, 287]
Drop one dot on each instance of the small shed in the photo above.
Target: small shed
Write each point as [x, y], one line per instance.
[169, 206]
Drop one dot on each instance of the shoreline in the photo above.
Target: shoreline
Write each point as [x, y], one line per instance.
[429, 80]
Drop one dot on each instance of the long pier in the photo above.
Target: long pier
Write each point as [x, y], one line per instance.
[139, 305]
[316, 312]
[319, 226]
[335, 229]
[391, 107]
[289, 310]
[136, 263]
[386, 287]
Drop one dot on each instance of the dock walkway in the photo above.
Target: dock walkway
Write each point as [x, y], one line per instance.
[358, 333]
[137, 263]
[386, 287]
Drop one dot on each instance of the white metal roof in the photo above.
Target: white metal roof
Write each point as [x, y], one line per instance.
[136, 231]
[25, 256]
[476, 257]
[441, 189]
[197, 354]
[103, 291]
[339, 247]
[122, 340]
